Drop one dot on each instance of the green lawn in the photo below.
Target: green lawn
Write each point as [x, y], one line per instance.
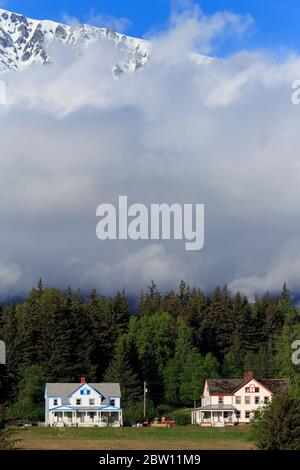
[189, 437]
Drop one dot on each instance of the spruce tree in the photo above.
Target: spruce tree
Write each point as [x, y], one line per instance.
[55, 337]
[121, 371]
[121, 312]
[84, 362]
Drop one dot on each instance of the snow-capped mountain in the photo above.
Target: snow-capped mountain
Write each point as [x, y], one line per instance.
[24, 41]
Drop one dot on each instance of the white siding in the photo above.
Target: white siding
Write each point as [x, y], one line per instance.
[85, 399]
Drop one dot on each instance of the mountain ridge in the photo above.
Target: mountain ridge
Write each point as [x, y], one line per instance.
[24, 41]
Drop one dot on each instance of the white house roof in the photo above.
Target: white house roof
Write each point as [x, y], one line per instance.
[63, 390]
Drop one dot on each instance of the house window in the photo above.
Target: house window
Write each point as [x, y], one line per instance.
[238, 400]
[238, 414]
[256, 389]
[247, 400]
[221, 400]
[92, 402]
[256, 400]
[266, 399]
[247, 414]
[113, 402]
[85, 392]
[78, 401]
[55, 402]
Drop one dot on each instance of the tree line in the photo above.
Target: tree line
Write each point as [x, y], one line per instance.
[173, 341]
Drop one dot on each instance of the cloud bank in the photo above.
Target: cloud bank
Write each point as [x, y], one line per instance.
[222, 132]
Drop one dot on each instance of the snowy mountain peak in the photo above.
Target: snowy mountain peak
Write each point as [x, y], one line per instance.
[24, 41]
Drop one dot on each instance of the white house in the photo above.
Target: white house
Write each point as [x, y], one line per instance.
[233, 401]
[83, 404]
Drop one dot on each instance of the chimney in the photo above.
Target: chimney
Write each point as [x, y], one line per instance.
[82, 380]
[248, 375]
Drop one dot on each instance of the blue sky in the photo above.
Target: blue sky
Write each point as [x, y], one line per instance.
[276, 21]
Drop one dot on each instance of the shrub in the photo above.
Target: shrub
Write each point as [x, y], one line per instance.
[6, 434]
[136, 413]
[182, 418]
[277, 426]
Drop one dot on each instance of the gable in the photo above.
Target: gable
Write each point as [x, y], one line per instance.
[85, 390]
[252, 386]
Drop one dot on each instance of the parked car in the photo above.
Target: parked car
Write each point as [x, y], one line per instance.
[27, 424]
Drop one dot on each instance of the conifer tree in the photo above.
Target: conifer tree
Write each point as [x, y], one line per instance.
[230, 368]
[55, 337]
[103, 329]
[121, 312]
[82, 341]
[150, 303]
[121, 371]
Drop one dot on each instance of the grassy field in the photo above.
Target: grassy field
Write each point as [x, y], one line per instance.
[179, 438]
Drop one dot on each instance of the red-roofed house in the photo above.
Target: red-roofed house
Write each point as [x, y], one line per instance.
[233, 401]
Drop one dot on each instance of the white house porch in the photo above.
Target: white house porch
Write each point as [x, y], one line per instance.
[70, 417]
[215, 415]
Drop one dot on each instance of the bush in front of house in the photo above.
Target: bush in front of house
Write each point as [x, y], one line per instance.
[182, 418]
[276, 426]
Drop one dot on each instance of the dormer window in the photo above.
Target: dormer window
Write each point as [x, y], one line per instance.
[55, 402]
[221, 400]
[113, 402]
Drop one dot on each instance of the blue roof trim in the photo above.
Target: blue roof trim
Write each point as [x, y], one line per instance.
[85, 408]
[104, 407]
[60, 406]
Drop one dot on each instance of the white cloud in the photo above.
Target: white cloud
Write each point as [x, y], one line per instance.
[11, 277]
[100, 20]
[221, 132]
[284, 267]
[144, 264]
[70, 20]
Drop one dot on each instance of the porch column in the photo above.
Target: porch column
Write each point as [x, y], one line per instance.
[211, 417]
[63, 417]
[100, 417]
